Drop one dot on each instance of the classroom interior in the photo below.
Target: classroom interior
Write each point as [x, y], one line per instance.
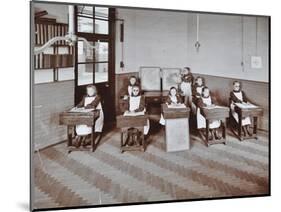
[220, 48]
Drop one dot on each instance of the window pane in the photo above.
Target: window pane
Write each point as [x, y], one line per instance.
[85, 24]
[102, 51]
[65, 74]
[85, 74]
[85, 11]
[43, 75]
[101, 72]
[101, 27]
[85, 54]
[101, 12]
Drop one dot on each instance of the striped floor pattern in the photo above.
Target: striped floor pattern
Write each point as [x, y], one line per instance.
[109, 177]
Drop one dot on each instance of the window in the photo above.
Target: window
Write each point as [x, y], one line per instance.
[92, 64]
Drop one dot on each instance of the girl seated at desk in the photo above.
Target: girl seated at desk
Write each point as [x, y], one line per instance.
[173, 99]
[197, 92]
[132, 82]
[185, 86]
[206, 101]
[135, 104]
[90, 101]
[238, 96]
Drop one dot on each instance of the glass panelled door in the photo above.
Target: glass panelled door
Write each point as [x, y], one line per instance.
[96, 66]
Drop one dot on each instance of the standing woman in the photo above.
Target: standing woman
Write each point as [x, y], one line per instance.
[90, 101]
[185, 86]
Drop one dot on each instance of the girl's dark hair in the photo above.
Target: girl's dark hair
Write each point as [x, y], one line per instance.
[173, 87]
[187, 68]
[204, 88]
[203, 81]
[133, 77]
[236, 81]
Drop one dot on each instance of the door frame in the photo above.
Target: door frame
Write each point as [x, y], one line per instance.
[110, 38]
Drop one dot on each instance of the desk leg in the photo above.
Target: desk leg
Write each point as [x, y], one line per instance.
[240, 126]
[93, 145]
[224, 130]
[69, 135]
[143, 140]
[207, 132]
[255, 118]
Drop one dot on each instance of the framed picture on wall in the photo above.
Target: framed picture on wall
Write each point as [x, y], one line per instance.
[119, 123]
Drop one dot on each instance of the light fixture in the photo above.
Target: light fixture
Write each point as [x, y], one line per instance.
[197, 43]
[70, 38]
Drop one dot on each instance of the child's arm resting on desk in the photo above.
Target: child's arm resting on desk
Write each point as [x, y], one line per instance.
[94, 103]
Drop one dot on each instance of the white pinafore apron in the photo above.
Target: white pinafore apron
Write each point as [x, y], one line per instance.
[134, 103]
[185, 87]
[201, 121]
[246, 120]
[83, 129]
[174, 100]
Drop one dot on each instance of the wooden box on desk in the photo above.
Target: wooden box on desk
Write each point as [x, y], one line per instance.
[131, 121]
[176, 128]
[216, 113]
[74, 118]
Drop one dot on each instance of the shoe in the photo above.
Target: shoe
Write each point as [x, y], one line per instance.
[216, 134]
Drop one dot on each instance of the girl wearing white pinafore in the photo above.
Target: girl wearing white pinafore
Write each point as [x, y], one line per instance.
[91, 101]
[206, 101]
[238, 96]
[173, 98]
[136, 104]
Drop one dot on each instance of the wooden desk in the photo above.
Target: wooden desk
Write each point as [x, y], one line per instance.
[127, 122]
[71, 119]
[153, 101]
[212, 114]
[245, 112]
[176, 128]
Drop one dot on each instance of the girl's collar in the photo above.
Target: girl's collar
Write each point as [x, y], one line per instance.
[237, 91]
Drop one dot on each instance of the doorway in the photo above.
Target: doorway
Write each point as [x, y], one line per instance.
[97, 25]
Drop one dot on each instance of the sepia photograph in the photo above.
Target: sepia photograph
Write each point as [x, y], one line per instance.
[134, 105]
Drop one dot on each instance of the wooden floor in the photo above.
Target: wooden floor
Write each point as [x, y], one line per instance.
[109, 177]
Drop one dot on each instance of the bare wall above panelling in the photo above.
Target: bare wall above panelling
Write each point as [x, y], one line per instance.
[167, 39]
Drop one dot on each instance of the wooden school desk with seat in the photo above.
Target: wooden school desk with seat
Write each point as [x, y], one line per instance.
[71, 118]
[215, 113]
[176, 127]
[245, 110]
[125, 123]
